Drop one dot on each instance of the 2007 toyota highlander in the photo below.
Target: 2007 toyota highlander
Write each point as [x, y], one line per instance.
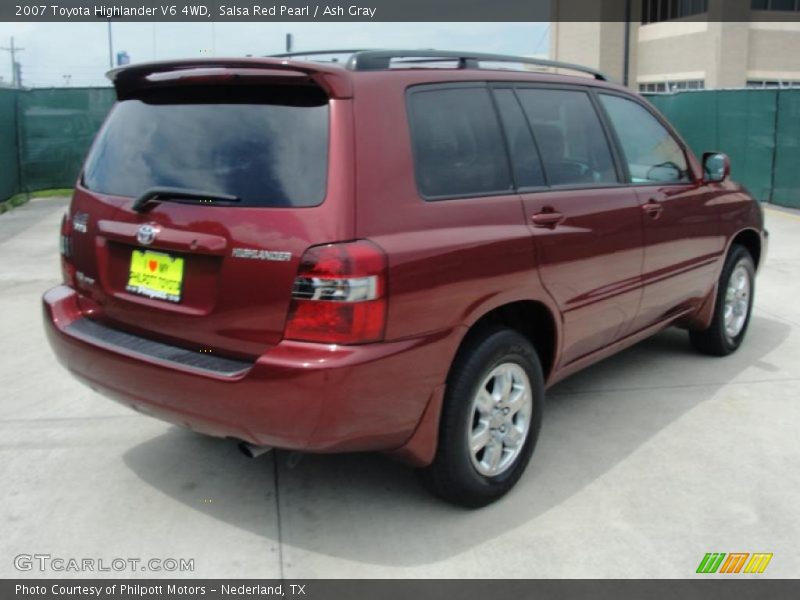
[395, 254]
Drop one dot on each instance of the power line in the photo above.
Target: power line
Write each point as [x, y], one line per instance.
[16, 69]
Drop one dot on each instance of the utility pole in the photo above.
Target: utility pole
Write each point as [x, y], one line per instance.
[110, 47]
[16, 71]
[626, 52]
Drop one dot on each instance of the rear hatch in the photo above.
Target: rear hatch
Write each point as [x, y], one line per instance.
[199, 197]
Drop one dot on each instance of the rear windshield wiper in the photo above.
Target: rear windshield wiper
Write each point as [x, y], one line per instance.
[168, 194]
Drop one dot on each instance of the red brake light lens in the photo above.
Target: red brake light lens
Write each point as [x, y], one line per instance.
[339, 295]
[65, 248]
[64, 241]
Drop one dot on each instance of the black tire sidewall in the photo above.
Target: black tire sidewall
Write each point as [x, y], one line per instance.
[494, 348]
[738, 254]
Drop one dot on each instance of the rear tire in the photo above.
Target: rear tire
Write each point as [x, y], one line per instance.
[490, 420]
[732, 308]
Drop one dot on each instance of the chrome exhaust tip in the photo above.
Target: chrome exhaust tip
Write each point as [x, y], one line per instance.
[251, 450]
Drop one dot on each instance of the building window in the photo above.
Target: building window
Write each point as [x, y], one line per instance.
[672, 86]
[654, 11]
[782, 5]
[772, 85]
[653, 87]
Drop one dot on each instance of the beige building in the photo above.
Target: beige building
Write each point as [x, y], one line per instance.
[686, 44]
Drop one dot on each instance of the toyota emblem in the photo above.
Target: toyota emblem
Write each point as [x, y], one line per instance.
[146, 234]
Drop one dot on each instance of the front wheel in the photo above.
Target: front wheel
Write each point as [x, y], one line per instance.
[491, 418]
[733, 306]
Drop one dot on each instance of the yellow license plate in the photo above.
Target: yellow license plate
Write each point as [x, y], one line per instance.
[156, 275]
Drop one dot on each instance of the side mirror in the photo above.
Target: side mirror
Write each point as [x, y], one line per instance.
[716, 167]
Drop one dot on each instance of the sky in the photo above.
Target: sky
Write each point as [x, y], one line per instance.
[79, 51]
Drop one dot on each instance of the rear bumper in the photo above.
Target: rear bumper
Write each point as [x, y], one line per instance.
[297, 395]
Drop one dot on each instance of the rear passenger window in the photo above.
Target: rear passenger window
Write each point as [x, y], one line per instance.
[524, 155]
[457, 142]
[569, 135]
[652, 154]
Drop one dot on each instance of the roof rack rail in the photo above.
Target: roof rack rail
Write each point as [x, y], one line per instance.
[380, 60]
[314, 53]
[376, 60]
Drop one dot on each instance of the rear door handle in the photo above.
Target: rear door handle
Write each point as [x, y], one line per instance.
[653, 208]
[547, 219]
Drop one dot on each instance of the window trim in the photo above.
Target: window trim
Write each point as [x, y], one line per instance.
[669, 129]
[500, 86]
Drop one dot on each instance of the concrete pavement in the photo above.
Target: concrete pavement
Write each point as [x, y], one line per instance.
[646, 461]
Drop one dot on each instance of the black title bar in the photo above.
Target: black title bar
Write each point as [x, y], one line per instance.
[703, 587]
[372, 10]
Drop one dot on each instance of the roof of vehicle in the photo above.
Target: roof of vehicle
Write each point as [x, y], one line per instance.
[338, 78]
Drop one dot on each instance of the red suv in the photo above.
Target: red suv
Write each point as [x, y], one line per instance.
[398, 253]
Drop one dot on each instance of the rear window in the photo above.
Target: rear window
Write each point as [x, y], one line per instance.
[266, 145]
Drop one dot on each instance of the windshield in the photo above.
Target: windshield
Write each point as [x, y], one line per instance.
[265, 146]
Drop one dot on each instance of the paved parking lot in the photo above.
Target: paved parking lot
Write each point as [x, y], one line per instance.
[646, 462]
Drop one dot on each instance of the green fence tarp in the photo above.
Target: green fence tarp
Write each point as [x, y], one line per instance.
[56, 129]
[740, 123]
[746, 132]
[786, 187]
[9, 155]
[758, 129]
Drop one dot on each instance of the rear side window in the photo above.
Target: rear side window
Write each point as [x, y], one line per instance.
[652, 154]
[458, 146]
[267, 147]
[569, 135]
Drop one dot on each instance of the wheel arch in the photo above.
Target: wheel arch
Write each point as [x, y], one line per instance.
[532, 318]
[750, 239]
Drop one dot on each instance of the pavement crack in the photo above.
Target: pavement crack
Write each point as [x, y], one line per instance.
[276, 482]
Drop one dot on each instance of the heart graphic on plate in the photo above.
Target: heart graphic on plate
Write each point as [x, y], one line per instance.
[152, 265]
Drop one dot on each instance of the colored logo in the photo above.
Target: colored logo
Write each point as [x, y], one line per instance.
[735, 562]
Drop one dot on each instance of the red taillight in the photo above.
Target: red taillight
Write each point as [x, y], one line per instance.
[65, 248]
[64, 241]
[339, 295]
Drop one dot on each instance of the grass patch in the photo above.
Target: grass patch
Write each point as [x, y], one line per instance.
[21, 199]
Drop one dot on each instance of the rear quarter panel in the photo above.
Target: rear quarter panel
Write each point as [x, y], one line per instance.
[450, 261]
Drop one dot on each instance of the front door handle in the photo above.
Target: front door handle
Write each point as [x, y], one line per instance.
[653, 208]
[547, 219]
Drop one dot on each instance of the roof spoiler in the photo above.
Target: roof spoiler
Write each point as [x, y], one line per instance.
[333, 80]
